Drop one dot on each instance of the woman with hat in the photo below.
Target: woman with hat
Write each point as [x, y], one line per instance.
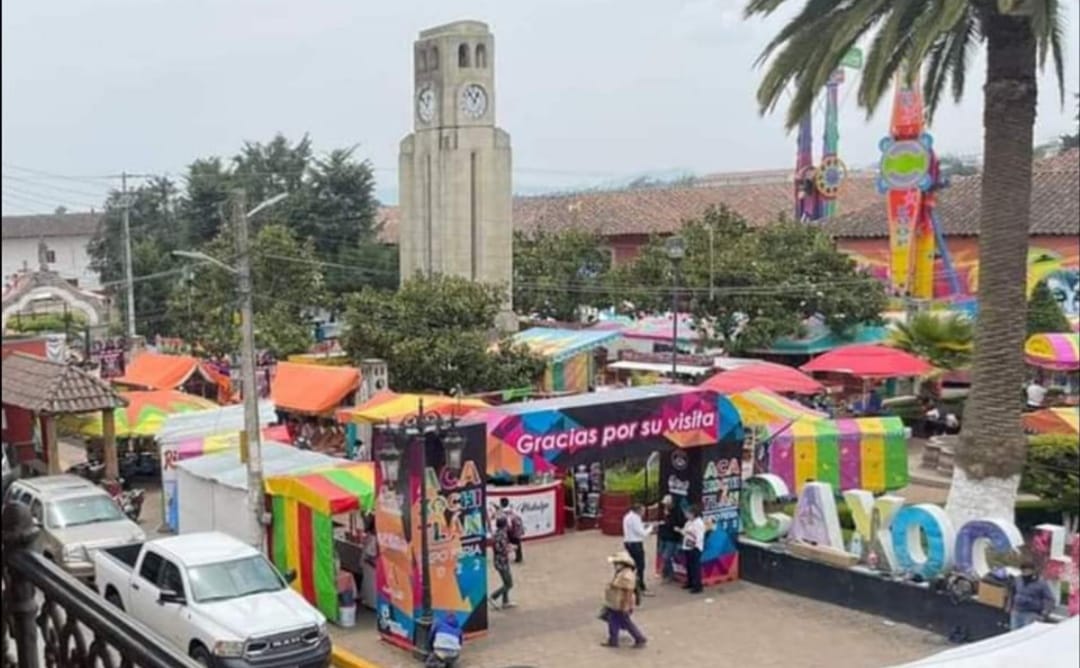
[619, 601]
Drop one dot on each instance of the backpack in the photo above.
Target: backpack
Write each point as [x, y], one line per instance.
[517, 530]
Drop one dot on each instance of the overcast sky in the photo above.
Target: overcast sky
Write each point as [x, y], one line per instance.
[591, 91]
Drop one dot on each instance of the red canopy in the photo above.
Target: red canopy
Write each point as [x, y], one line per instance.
[775, 377]
[869, 361]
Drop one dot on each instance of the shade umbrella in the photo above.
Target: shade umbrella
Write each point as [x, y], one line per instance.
[775, 377]
[870, 361]
[1064, 420]
[146, 412]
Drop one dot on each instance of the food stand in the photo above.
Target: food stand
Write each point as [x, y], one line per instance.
[569, 354]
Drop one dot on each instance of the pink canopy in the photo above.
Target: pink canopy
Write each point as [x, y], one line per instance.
[869, 361]
[775, 377]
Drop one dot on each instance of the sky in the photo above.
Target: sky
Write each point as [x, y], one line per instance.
[591, 91]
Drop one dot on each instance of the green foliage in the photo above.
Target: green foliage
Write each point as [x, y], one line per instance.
[434, 335]
[1044, 314]
[36, 323]
[935, 35]
[765, 282]
[946, 340]
[557, 272]
[1052, 471]
[287, 281]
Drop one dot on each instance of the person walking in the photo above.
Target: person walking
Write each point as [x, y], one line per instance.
[668, 536]
[619, 601]
[501, 550]
[1030, 598]
[635, 531]
[693, 543]
[515, 528]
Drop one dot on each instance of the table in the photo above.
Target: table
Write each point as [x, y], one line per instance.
[540, 507]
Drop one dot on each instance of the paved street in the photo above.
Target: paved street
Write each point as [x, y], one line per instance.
[559, 591]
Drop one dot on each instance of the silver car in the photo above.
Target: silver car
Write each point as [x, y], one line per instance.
[74, 517]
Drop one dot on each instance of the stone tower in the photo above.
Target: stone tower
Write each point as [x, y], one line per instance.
[454, 169]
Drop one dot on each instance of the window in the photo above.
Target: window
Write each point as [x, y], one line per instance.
[151, 567]
[233, 579]
[50, 256]
[463, 55]
[170, 578]
[433, 62]
[83, 510]
[421, 61]
[35, 510]
[481, 55]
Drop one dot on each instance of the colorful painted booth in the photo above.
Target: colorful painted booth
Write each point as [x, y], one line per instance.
[569, 355]
[302, 537]
[1054, 352]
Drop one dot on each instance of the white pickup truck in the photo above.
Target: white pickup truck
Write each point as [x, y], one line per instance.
[216, 598]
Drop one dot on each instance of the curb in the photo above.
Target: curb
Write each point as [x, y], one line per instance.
[341, 658]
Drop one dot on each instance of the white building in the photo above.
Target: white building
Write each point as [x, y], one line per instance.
[67, 238]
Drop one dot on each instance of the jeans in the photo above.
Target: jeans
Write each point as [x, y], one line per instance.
[668, 550]
[693, 570]
[507, 585]
[637, 553]
[620, 621]
[1018, 619]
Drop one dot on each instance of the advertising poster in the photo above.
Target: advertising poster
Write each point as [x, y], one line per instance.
[396, 576]
[540, 508]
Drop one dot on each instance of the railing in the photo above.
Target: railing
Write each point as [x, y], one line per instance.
[51, 619]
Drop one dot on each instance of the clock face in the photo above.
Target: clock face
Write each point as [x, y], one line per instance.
[473, 102]
[425, 104]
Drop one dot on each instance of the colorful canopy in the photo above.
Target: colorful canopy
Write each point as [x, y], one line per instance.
[329, 491]
[870, 361]
[1057, 352]
[762, 408]
[310, 388]
[152, 371]
[146, 412]
[557, 345]
[389, 406]
[1065, 420]
[775, 377]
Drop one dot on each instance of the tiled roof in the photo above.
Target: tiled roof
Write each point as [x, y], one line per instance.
[40, 385]
[51, 225]
[659, 210]
[1055, 209]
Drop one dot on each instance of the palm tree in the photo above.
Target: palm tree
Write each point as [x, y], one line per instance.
[943, 339]
[937, 36]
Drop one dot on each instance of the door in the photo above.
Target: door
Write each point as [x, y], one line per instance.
[170, 619]
[143, 597]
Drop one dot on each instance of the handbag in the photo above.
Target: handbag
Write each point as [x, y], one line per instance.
[605, 613]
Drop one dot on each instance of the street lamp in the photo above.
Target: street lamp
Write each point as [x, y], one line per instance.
[389, 458]
[676, 251]
[242, 271]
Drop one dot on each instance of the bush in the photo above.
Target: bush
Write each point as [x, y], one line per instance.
[1052, 472]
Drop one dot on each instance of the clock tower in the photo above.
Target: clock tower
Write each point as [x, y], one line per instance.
[454, 169]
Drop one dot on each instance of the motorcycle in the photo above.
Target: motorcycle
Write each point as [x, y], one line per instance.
[131, 502]
[93, 471]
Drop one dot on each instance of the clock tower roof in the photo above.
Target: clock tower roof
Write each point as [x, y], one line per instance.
[456, 28]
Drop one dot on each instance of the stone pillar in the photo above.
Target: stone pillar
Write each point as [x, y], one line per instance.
[19, 596]
[108, 434]
[50, 446]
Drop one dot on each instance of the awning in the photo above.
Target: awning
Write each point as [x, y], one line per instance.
[389, 406]
[1064, 420]
[146, 412]
[662, 369]
[330, 491]
[1057, 352]
[870, 361]
[557, 345]
[762, 408]
[659, 328]
[1055, 646]
[217, 420]
[775, 377]
[152, 371]
[311, 389]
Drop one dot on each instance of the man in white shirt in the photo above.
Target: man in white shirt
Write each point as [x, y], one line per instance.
[1036, 395]
[693, 534]
[635, 531]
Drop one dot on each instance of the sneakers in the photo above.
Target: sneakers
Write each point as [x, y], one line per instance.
[641, 645]
[494, 604]
[509, 604]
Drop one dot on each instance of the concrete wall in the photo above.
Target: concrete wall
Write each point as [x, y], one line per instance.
[72, 259]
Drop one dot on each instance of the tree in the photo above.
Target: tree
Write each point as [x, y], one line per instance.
[1052, 472]
[1073, 140]
[287, 283]
[434, 335]
[555, 273]
[945, 340]
[1044, 313]
[952, 165]
[751, 286]
[937, 36]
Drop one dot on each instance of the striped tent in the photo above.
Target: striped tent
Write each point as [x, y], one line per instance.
[764, 408]
[145, 413]
[302, 539]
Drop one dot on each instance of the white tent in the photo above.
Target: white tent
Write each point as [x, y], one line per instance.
[182, 426]
[212, 489]
[1042, 645]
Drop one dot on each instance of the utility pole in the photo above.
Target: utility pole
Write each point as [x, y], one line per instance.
[247, 368]
[129, 278]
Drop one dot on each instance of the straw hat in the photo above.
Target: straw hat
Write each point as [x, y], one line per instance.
[622, 557]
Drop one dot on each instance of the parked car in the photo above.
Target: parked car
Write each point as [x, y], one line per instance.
[75, 517]
[216, 598]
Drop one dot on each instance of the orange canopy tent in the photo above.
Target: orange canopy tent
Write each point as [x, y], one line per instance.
[153, 371]
[312, 389]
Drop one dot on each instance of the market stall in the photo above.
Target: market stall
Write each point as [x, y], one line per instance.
[390, 407]
[304, 539]
[1055, 352]
[569, 354]
[212, 494]
[153, 371]
[767, 375]
[146, 413]
[308, 396]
